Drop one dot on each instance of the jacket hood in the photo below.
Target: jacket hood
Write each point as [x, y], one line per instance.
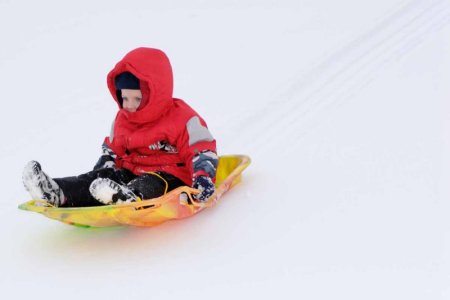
[153, 69]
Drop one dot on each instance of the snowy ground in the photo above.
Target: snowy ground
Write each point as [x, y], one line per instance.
[343, 106]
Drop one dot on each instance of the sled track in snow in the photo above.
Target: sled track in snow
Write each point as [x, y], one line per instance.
[344, 73]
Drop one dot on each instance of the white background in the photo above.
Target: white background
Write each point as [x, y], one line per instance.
[342, 105]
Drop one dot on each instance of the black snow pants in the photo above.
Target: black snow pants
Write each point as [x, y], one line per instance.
[146, 186]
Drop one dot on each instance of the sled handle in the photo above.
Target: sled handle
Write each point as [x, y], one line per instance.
[187, 191]
[194, 203]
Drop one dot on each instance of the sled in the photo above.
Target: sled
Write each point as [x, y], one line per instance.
[177, 204]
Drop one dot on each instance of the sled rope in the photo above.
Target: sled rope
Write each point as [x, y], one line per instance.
[160, 177]
[44, 203]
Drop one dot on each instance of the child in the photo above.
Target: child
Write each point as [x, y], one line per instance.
[157, 143]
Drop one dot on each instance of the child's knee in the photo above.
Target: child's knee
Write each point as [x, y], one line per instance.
[148, 186]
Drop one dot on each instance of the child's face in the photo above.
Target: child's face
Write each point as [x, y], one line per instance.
[131, 99]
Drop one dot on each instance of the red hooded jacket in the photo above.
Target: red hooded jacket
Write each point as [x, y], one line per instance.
[165, 133]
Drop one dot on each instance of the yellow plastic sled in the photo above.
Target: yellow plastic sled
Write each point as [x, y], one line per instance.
[147, 212]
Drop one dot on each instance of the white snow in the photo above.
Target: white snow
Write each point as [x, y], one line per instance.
[342, 105]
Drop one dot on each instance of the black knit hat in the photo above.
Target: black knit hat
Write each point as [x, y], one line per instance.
[126, 80]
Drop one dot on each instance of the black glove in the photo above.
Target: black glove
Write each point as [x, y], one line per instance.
[206, 187]
[107, 160]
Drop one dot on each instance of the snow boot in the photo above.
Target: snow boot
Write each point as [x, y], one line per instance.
[108, 191]
[40, 185]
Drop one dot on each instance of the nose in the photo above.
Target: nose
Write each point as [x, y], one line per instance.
[129, 106]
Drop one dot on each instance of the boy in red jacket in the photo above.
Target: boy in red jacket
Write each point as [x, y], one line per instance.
[157, 143]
